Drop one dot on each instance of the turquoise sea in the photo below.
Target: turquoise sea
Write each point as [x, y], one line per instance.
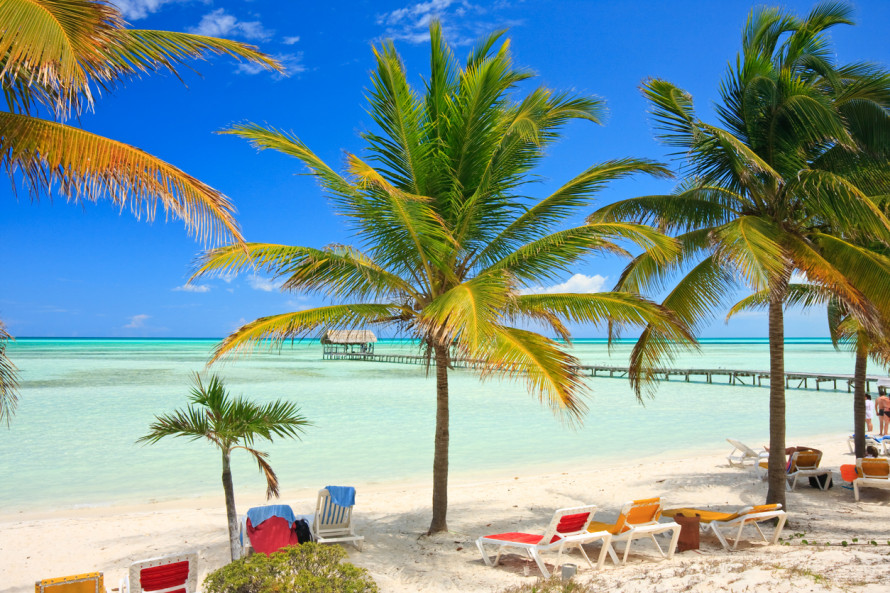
[85, 401]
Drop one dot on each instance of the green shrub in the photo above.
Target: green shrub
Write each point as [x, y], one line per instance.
[552, 585]
[308, 568]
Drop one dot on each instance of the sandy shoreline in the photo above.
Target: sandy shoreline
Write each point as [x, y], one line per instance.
[393, 518]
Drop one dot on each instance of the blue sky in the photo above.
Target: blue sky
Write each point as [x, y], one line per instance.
[90, 270]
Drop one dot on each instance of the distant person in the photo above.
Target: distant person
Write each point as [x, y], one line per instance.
[869, 413]
[883, 404]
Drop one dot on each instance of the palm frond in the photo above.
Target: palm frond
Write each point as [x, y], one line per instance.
[9, 379]
[84, 166]
[751, 245]
[798, 295]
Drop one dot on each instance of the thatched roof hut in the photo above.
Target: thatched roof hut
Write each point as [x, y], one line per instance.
[348, 336]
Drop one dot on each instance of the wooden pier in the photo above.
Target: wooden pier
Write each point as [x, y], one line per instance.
[793, 380]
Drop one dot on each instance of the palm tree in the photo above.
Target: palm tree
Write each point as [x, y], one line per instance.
[448, 242]
[846, 331]
[776, 188]
[55, 55]
[229, 424]
[8, 379]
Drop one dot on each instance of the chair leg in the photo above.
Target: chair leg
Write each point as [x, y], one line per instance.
[607, 547]
[627, 549]
[719, 535]
[537, 558]
[655, 541]
[782, 519]
[757, 527]
[675, 538]
[485, 557]
[612, 554]
[856, 489]
[738, 535]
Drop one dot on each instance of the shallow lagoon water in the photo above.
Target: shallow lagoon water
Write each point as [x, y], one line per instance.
[85, 402]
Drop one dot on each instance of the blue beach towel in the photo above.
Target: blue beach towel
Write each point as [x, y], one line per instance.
[259, 514]
[343, 496]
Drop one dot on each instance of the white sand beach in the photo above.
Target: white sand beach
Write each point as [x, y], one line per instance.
[401, 559]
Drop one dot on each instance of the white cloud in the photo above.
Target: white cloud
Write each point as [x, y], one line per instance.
[219, 23]
[193, 288]
[291, 40]
[293, 64]
[462, 21]
[264, 284]
[137, 321]
[579, 283]
[134, 10]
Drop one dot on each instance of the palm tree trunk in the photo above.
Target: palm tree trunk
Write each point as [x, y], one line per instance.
[859, 397]
[231, 514]
[440, 455]
[776, 491]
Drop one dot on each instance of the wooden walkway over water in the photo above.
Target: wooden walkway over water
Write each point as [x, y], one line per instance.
[726, 376]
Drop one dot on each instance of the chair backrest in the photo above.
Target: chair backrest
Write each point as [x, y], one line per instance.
[804, 460]
[759, 508]
[874, 467]
[90, 582]
[638, 512]
[748, 451]
[569, 521]
[329, 516]
[168, 574]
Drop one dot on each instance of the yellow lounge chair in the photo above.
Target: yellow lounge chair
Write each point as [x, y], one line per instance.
[638, 519]
[745, 516]
[91, 582]
[803, 464]
[874, 473]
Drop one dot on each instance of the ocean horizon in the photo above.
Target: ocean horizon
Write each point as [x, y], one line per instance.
[85, 401]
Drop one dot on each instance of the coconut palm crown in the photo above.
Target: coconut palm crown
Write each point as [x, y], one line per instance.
[787, 182]
[448, 243]
[56, 56]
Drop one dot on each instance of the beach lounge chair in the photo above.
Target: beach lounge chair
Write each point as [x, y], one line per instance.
[713, 520]
[879, 443]
[874, 473]
[567, 530]
[805, 464]
[267, 529]
[742, 453]
[332, 521]
[168, 574]
[90, 582]
[638, 520]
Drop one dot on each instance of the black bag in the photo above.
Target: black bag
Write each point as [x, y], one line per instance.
[302, 529]
[819, 481]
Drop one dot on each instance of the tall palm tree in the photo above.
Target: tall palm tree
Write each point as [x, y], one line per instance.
[230, 423]
[447, 239]
[776, 188]
[846, 331]
[55, 55]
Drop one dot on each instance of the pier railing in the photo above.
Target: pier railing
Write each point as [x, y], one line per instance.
[793, 380]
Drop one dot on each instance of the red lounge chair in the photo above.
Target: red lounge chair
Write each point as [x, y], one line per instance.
[168, 574]
[567, 530]
[271, 535]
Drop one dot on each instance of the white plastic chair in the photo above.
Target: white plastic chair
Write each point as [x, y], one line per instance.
[639, 520]
[805, 464]
[567, 530]
[332, 523]
[874, 473]
[745, 516]
[163, 575]
[742, 453]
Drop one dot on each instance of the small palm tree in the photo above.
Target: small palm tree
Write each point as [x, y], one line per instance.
[56, 54]
[781, 186]
[229, 424]
[449, 238]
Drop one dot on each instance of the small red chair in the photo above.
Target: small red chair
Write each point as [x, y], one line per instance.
[168, 574]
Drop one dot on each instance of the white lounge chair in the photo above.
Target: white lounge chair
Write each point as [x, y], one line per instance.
[567, 529]
[638, 520]
[167, 574]
[805, 464]
[879, 443]
[332, 523]
[873, 472]
[745, 516]
[742, 453]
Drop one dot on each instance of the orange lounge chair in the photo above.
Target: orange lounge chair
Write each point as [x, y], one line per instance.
[168, 574]
[90, 582]
[874, 472]
[567, 530]
[638, 519]
[744, 516]
[803, 464]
